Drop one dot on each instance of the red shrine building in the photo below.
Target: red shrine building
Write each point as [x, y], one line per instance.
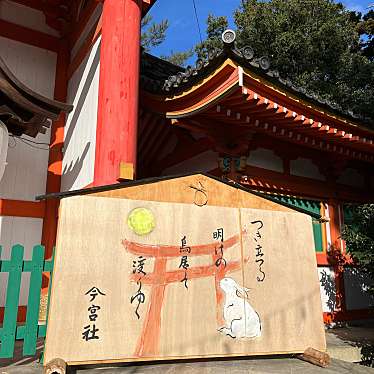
[82, 106]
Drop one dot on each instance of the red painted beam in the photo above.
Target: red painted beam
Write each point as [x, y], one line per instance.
[116, 134]
[18, 208]
[43, 7]
[84, 18]
[28, 36]
[55, 154]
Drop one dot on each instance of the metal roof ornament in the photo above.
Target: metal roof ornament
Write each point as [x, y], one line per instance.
[248, 53]
[264, 63]
[228, 36]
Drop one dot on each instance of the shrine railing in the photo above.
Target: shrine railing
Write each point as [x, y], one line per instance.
[31, 329]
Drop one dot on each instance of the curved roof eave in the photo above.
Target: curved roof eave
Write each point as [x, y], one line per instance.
[185, 81]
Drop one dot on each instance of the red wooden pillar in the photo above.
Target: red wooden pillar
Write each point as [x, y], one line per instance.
[116, 132]
[55, 153]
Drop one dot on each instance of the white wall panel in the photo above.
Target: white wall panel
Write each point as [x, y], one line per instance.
[80, 129]
[266, 159]
[356, 284]
[203, 162]
[18, 230]
[33, 66]
[26, 172]
[327, 287]
[304, 167]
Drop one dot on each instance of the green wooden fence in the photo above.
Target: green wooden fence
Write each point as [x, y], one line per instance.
[30, 331]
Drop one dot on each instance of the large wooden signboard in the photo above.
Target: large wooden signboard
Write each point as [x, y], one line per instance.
[142, 280]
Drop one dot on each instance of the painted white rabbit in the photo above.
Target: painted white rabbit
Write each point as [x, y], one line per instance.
[241, 320]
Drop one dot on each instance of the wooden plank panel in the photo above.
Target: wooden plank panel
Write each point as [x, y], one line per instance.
[283, 280]
[194, 189]
[151, 280]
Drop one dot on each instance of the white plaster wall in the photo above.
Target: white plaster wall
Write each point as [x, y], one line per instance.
[25, 16]
[26, 172]
[355, 285]
[35, 67]
[327, 287]
[304, 167]
[266, 159]
[18, 230]
[80, 129]
[351, 177]
[93, 19]
[203, 162]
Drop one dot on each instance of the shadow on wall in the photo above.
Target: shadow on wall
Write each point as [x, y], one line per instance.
[72, 171]
[357, 285]
[328, 283]
[82, 98]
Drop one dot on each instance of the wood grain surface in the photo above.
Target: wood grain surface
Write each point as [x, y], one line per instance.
[181, 309]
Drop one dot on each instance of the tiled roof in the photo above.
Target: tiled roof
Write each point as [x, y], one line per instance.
[163, 78]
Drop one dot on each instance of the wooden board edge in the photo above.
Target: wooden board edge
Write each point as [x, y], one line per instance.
[193, 357]
[57, 252]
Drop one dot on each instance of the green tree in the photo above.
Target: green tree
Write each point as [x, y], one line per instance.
[153, 34]
[215, 27]
[359, 237]
[178, 58]
[315, 43]
[365, 27]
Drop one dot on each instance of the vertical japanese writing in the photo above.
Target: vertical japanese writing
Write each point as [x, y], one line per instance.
[260, 260]
[185, 250]
[139, 296]
[90, 331]
[218, 235]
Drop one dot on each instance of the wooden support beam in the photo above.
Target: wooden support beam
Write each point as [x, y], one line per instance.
[184, 152]
[160, 129]
[28, 36]
[147, 132]
[18, 208]
[83, 21]
[156, 148]
[42, 6]
[55, 154]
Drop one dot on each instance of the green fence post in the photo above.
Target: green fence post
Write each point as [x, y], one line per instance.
[8, 331]
[29, 332]
[48, 267]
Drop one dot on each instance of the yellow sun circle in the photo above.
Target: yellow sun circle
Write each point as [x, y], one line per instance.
[141, 221]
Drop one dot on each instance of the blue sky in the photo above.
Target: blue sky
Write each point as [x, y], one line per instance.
[183, 33]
